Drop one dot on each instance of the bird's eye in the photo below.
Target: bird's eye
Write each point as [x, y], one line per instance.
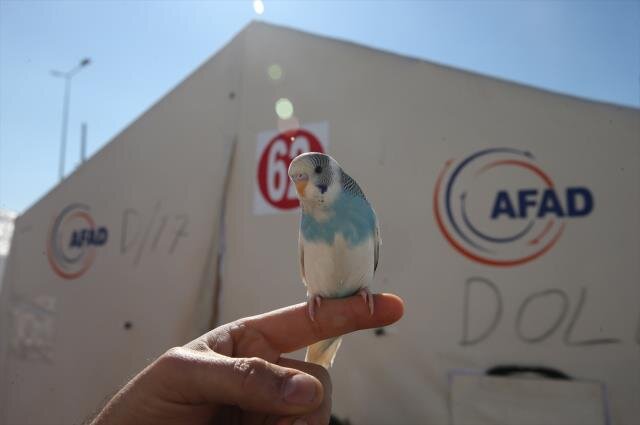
[318, 169]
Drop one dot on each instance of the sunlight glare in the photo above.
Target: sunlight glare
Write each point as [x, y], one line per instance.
[284, 108]
[258, 6]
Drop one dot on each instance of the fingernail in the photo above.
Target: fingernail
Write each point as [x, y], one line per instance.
[300, 389]
[300, 422]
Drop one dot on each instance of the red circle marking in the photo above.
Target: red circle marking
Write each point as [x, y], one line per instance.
[85, 215]
[472, 256]
[288, 137]
[88, 260]
[518, 163]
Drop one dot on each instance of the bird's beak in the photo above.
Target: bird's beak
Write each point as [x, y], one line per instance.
[301, 181]
[300, 186]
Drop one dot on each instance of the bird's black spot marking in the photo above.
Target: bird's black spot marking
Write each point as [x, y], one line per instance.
[379, 332]
[128, 325]
[322, 187]
[318, 169]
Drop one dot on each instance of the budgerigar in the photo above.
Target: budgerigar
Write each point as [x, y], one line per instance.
[339, 241]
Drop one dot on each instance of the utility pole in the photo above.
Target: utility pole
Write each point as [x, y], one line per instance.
[83, 142]
[65, 108]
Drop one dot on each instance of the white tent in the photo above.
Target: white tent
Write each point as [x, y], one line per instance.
[509, 217]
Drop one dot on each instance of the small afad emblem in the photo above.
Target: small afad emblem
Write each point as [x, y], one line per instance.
[73, 240]
[499, 208]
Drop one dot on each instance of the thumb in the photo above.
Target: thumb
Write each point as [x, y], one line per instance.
[256, 385]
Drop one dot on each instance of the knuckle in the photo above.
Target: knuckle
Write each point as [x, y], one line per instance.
[199, 344]
[175, 354]
[236, 329]
[251, 371]
[174, 358]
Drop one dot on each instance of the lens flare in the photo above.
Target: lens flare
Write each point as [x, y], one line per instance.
[275, 72]
[284, 108]
[258, 6]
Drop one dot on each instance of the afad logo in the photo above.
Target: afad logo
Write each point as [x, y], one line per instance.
[499, 208]
[73, 240]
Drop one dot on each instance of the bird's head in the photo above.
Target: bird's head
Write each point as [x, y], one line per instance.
[317, 179]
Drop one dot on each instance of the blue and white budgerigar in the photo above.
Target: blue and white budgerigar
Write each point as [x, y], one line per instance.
[339, 240]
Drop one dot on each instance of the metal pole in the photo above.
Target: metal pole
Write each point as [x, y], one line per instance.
[65, 109]
[83, 142]
[65, 117]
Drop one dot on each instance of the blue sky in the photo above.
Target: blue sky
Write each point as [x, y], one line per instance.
[141, 49]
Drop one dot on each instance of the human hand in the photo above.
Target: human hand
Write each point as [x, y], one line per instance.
[235, 373]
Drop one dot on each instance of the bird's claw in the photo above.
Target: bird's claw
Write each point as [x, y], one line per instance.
[367, 296]
[312, 302]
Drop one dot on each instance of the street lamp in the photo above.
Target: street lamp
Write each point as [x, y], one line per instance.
[65, 107]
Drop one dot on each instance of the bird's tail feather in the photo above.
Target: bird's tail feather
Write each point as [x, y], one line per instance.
[323, 352]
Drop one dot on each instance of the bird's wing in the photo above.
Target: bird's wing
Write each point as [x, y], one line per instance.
[301, 257]
[350, 186]
[377, 242]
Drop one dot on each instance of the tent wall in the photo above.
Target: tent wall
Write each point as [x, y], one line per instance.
[393, 124]
[67, 344]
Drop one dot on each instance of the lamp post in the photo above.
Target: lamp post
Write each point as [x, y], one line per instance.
[65, 107]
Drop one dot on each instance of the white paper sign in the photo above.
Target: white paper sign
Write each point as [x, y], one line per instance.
[274, 192]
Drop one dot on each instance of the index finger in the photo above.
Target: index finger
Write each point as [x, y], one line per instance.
[289, 329]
